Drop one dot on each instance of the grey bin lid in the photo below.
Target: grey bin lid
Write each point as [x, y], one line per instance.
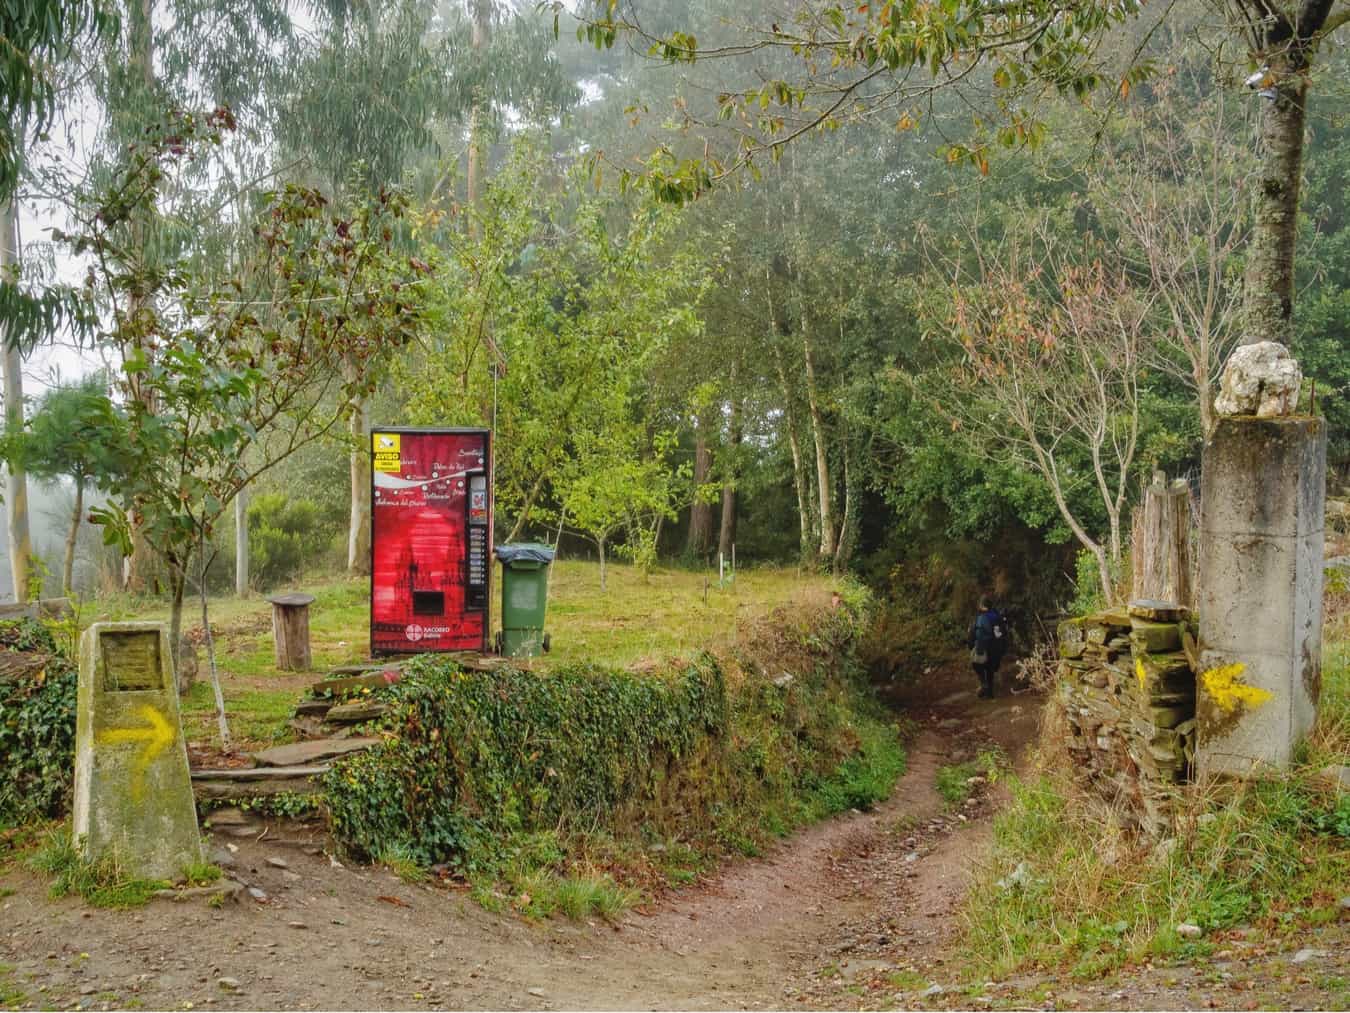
[524, 552]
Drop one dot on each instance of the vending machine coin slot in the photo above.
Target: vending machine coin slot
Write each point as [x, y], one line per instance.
[476, 584]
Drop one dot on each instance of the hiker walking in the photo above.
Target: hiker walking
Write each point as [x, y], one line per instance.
[988, 641]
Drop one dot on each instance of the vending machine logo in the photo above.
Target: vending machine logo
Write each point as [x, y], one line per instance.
[387, 455]
[413, 632]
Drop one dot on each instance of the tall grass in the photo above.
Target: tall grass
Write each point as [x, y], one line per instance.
[1067, 886]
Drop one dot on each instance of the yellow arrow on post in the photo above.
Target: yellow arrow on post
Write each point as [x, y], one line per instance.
[157, 735]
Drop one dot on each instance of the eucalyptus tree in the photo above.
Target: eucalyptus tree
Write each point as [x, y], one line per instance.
[37, 36]
[165, 57]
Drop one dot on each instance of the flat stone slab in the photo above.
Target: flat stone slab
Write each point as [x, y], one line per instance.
[1155, 610]
[350, 713]
[259, 773]
[376, 679]
[297, 754]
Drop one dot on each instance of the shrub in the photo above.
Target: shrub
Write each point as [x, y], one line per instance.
[37, 729]
[482, 754]
[285, 536]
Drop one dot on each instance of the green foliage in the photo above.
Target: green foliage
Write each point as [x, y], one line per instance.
[37, 729]
[480, 754]
[283, 805]
[101, 884]
[37, 34]
[201, 873]
[76, 432]
[1026, 48]
[1087, 586]
[547, 319]
[285, 535]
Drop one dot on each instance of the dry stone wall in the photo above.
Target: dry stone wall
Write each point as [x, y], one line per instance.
[1127, 691]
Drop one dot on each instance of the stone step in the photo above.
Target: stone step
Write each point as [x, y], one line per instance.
[360, 710]
[311, 751]
[257, 782]
[376, 679]
[259, 773]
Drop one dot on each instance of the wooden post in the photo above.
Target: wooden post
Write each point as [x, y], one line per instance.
[1162, 544]
[241, 543]
[290, 630]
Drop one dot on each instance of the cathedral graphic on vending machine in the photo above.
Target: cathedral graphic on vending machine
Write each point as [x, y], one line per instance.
[431, 535]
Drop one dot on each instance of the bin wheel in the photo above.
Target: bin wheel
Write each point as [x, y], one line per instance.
[548, 643]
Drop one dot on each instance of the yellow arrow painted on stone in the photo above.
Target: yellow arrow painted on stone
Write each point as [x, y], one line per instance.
[157, 735]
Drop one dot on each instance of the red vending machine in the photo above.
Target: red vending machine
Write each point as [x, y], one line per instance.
[430, 540]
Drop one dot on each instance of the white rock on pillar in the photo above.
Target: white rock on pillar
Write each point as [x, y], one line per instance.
[1261, 379]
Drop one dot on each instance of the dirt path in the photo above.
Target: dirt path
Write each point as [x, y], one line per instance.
[856, 911]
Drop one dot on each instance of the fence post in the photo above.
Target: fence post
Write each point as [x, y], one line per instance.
[1161, 550]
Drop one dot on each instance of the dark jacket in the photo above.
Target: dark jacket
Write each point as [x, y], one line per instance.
[990, 632]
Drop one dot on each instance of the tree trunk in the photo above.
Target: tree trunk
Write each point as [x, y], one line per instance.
[16, 492]
[827, 541]
[480, 29]
[1161, 544]
[700, 510]
[358, 530]
[1268, 297]
[241, 543]
[600, 543]
[222, 726]
[68, 569]
[137, 568]
[790, 417]
[177, 589]
[727, 535]
[848, 528]
[799, 480]
[1283, 37]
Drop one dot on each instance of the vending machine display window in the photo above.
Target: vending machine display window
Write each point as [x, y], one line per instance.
[431, 540]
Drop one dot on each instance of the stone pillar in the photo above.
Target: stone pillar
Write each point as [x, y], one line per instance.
[133, 793]
[1260, 591]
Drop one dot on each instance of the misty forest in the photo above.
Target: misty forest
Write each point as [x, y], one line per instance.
[806, 334]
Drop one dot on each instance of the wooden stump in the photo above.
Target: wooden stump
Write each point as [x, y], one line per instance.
[290, 630]
[1162, 544]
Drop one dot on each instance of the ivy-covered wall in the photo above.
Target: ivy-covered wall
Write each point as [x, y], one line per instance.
[37, 723]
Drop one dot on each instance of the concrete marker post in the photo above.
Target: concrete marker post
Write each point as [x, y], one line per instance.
[133, 791]
[1260, 591]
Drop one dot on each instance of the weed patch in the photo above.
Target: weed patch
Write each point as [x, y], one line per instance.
[1067, 886]
[953, 781]
[101, 884]
[11, 995]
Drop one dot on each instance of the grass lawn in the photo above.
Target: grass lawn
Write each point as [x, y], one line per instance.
[635, 619]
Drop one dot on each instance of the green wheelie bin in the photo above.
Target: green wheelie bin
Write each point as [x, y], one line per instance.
[524, 598]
